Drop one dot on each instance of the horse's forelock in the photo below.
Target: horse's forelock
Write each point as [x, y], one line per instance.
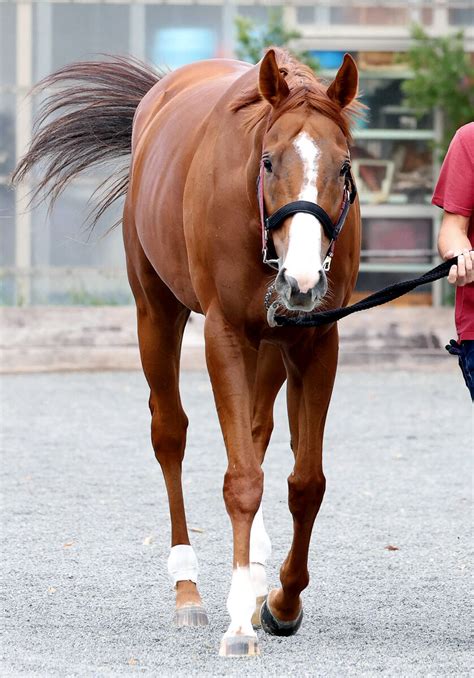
[306, 91]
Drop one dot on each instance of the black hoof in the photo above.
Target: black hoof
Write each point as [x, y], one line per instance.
[272, 625]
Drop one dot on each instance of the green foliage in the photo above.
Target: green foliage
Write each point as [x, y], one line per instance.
[82, 297]
[253, 39]
[443, 78]
[449, 294]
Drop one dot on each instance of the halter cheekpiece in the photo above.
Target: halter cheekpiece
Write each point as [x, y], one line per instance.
[331, 229]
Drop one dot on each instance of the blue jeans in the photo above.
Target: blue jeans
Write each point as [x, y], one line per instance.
[465, 353]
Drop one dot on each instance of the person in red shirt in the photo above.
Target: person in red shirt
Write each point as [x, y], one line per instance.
[454, 192]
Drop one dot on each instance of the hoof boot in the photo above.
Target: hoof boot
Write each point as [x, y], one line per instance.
[191, 615]
[239, 646]
[270, 624]
[256, 615]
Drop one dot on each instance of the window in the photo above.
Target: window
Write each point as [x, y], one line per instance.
[180, 34]
[7, 146]
[371, 16]
[7, 44]
[82, 31]
[461, 16]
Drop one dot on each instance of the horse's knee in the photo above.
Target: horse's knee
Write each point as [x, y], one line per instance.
[168, 436]
[305, 494]
[243, 491]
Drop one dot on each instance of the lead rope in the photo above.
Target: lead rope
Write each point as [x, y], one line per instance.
[378, 298]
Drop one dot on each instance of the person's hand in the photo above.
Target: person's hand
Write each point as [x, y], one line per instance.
[462, 273]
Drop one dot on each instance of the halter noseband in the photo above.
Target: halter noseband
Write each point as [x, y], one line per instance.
[331, 229]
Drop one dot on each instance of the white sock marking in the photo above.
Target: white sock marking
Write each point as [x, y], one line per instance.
[182, 564]
[241, 603]
[303, 258]
[260, 551]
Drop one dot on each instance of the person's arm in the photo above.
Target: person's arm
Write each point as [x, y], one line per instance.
[453, 241]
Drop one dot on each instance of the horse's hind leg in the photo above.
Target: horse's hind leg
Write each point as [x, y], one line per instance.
[161, 322]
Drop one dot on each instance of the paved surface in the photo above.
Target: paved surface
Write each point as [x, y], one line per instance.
[85, 531]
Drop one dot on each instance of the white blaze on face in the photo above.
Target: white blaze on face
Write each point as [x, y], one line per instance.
[303, 258]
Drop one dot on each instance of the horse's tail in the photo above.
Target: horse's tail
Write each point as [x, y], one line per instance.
[86, 121]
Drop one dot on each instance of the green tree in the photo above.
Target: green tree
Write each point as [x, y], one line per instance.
[253, 38]
[443, 78]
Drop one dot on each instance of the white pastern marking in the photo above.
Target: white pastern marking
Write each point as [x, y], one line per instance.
[260, 551]
[182, 564]
[303, 258]
[241, 603]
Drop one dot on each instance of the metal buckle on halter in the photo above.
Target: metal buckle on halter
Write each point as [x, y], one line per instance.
[274, 263]
[327, 261]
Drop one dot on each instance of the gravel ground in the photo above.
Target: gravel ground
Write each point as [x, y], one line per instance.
[85, 531]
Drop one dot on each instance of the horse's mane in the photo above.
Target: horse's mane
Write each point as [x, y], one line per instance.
[305, 90]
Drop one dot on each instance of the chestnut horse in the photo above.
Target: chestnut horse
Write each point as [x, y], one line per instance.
[202, 136]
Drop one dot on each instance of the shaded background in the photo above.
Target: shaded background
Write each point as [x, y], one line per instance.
[52, 260]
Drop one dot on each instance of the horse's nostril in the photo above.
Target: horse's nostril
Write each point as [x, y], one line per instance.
[295, 292]
[294, 287]
[302, 283]
[297, 295]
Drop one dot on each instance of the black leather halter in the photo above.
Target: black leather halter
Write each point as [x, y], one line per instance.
[331, 229]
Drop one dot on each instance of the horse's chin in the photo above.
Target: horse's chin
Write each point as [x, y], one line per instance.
[303, 307]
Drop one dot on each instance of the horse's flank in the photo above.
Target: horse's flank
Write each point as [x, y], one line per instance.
[175, 151]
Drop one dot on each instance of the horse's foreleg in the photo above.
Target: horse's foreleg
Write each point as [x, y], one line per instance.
[230, 360]
[311, 373]
[270, 375]
[260, 552]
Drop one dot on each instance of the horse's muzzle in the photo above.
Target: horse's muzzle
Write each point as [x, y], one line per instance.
[296, 300]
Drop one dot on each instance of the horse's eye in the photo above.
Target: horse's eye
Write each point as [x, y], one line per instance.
[267, 163]
[345, 168]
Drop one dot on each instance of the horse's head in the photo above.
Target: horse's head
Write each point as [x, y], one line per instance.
[305, 157]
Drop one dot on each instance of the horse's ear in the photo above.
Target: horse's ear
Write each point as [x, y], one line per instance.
[343, 88]
[271, 82]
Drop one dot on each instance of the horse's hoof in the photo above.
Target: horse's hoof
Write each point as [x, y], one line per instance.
[239, 646]
[191, 615]
[270, 624]
[256, 615]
